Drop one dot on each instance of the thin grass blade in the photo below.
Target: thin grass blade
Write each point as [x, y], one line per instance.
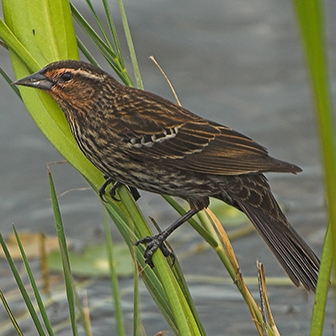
[22, 288]
[319, 309]
[10, 314]
[109, 54]
[9, 82]
[113, 31]
[100, 25]
[137, 326]
[130, 45]
[311, 18]
[34, 285]
[182, 313]
[114, 278]
[64, 256]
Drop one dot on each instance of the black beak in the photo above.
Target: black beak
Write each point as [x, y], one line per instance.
[36, 80]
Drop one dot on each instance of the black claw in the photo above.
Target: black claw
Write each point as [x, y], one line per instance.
[103, 188]
[154, 243]
[134, 191]
[113, 191]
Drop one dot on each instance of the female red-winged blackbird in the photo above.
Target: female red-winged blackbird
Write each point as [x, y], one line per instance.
[142, 140]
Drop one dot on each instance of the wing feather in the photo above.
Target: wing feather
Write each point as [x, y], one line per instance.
[171, 135]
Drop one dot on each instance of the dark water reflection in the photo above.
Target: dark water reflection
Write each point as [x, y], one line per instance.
[239, 63]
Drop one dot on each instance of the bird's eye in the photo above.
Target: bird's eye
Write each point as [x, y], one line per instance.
[66, 76]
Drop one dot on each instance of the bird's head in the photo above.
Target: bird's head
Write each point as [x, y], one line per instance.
[73, 84]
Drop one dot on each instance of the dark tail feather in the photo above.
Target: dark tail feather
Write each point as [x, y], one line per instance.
[293, 253]
[252, 195]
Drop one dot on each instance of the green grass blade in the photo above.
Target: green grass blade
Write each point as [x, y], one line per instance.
[130, 45]
[109, 54]
[310, 14]
[113, 31]
[100, 26]
[64, 256]
[114, 279]
[10, 314]
[173, 307]
[317, 321]
[9, 82]
[34, 286]
[137, 326]
[131, 234]
[182, 313]
[86, 52]
[22, 288]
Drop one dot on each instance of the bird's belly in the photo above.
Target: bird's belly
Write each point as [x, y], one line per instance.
[159, 179]
[151, 176]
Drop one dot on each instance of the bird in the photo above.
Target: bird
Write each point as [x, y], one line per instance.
[144, 141]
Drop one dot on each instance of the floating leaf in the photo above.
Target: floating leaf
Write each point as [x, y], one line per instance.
[92, 261]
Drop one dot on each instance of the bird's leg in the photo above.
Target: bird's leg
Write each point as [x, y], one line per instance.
[116, 185]
[157, 241]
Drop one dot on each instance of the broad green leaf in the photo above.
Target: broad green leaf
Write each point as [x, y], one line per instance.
[38, 33]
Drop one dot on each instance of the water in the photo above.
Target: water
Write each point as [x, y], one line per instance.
[236, 62]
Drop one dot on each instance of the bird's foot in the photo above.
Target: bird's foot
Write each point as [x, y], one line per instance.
[102, 189]
[154, 243]
[112, 192]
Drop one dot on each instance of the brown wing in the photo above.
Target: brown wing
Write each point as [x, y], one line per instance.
[171, 135]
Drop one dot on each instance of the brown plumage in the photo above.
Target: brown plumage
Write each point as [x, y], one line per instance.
[142, 140]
